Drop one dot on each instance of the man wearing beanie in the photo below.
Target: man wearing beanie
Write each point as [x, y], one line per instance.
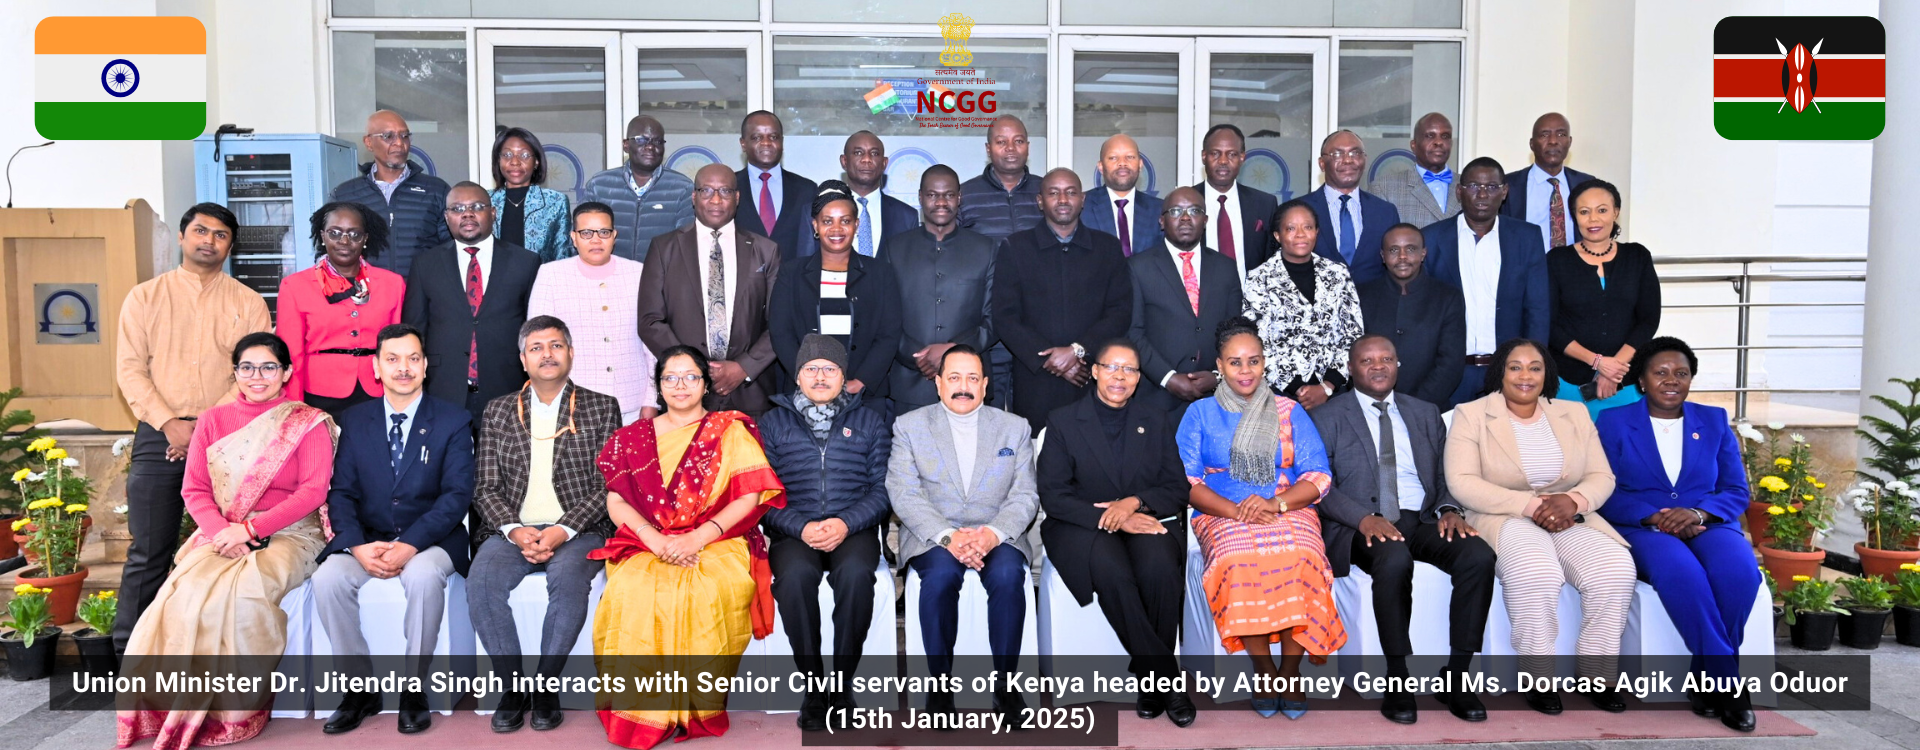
[831, 452]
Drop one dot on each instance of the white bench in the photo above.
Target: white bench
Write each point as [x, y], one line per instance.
[971, 631]
[298, 604]
[878, 650]
[383, 603]
[1650, 632]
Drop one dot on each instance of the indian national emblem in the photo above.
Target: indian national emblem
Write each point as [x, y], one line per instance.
[956, 28]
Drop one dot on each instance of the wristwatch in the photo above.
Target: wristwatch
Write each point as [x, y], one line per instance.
[1079, 352]
[946, 537]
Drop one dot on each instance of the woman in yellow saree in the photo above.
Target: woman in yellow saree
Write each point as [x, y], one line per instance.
[687, 574]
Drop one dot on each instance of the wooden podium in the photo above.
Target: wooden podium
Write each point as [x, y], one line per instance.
[64, 273]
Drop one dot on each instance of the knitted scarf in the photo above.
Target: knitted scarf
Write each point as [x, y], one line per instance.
[1257, 438]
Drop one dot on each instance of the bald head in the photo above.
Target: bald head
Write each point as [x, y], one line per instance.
[1552, 139]
[1342, 160]
[644, 159]
[714, 197]
[1432, 141]
[1183, 217]
[388, 140]
[1120, 163]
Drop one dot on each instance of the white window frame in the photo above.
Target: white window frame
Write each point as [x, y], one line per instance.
[1060, 108]
[480, 118]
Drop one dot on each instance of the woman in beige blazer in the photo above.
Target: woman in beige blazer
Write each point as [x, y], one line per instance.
[1531, 472]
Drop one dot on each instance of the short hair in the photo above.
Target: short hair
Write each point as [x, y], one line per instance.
[1483, 162]
[539, 176]
[274, 344]
[1100, 352]
[213, 211]
[1373, 337]
[1329, 138]
[828, 192]
[1232, 327]
[966, 349]
[938, 170]
[1660, 345]
[540, 323]
[1407, 225]
[592, 207]
[371, 222]
[1598, 184]
[464, 184]
[1224, 126]
[393, 331]
[660, 367]
[1496, 373]
[1275, 221]
[777, 124]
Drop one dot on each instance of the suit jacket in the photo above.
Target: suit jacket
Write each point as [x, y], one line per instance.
[1712, 476]
[896, 217]
[309, 324]
[1170, 336]
[793, 220]
[1428, 326]
[923, 479]
[1409, 195]
[1376, 214]
[1254, 223]
[437, 305]
[506, 452]
[1522, 305]
[956, 274]
[1516, 205]
[1079, 467]
[1355, 459]
[1484, 473]
[1045, 297]
[794, 312]
[673, 308]
[425, 502]
[1143, 217]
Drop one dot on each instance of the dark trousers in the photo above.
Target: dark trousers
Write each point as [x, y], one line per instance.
[1005, 577]
[1000, 377]
[1139, 583]
[1468, 560]
[334, 407]
[1707, 585]
[154, 508]
[849, 569]
[499, 567]
[1472, 379]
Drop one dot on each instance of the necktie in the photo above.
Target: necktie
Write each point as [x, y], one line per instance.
[866, 229]
[1120, 221]
[766, 203]
[1225, 226]
[395, 442]
[717, 322]
[1346, 230]
[475, 294]
[1389, 473]
[1557, 214]
[1190, 280]
[1443, 176]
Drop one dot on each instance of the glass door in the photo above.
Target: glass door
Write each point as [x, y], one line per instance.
[556, 84]
[1131, 85]
[698, 85]
[1276, 92]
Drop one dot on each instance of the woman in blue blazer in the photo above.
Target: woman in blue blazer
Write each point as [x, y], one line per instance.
[1681, 489]
[524, 213]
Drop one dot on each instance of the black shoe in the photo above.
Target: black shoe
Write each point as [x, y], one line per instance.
[940, 703]
[1736, 711]
[1464, 705]
[1009, 705]
[1610, 701]
[511, 713]
[1704, 705]
[813, 713]
[1399, 708]
[1180, 709]
[415, 717]
[546, 712]
[1544, 701]
[1149, 705]
[355, 707]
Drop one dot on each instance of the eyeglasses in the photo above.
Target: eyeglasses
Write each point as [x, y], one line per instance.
[1186, 212]
[351, 235]
[1130, 370]
[462, 209]
[516, 156]
[250, 370]
[1482, 188]
[709, 193]
[643, 141]
[679, 380]
[591, 233]
[1345, 153]
[390, 137]
[819, 370]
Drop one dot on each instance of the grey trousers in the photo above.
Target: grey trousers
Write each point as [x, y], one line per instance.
[336, 599]
[498, 567]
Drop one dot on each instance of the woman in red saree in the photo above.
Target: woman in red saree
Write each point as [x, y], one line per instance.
[687, 575]
[258, 470]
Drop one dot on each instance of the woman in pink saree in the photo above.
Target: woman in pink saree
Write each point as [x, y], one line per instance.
[258, 471]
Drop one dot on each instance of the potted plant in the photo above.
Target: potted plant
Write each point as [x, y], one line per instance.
[1906, 605]
[1799, 511]
[55, 524]
[1888, 516]
[16, 433]
[1758, 463]
[1868, 602]
[1811, 616]
[31, 638]
[95, 641]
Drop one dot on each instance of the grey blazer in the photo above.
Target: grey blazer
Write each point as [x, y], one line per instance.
[1356, 466]
[923, 479]
[1407, 192]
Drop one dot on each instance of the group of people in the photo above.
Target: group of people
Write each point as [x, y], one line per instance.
[815, 360]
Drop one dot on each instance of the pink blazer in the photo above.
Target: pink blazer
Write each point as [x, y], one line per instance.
[310, 325]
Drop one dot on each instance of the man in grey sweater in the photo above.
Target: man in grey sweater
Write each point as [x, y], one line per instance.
[648, 198]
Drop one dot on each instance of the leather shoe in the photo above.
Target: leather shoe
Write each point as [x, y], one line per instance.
[1398, 707]
[355, 707]
[813, 713]
[1544, 701]
[511, 713]
[1181, 710]
[940, 703]
[1736, 711]
[546, 712]
[1610, 701]
[1009, 705]
[415, 717]
[1704, 705]
[1463, 705]
[1149, 705]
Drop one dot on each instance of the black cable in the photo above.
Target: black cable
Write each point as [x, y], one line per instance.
[16, 154]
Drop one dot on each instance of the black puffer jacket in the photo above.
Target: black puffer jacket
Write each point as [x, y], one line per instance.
[416, 219]
[845, 477]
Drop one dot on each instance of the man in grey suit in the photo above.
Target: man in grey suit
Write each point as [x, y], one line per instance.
[1173, 324]
[1424, 194]
[1389, 507]
[947, 271]
[961, 480]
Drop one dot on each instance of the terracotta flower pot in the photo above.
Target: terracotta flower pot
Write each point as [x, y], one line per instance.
[65, 597]
[1784, 565]
[1883, 564]
[1758, 523]
[8, 547]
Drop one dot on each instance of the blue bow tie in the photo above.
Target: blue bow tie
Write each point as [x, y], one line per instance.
[1443, 176]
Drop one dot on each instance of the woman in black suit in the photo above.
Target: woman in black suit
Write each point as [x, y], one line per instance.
[1115, 493]
[843, 294]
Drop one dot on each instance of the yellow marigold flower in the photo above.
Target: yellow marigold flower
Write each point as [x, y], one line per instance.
[77, 508]
[1910, 566]
[1793, 508]
[45, 502]
[1818, 485]
[23, 589]
[1775, 510]
[21, 475]
[1802, 579]
[1808, 498]
[1772, 483]
[1783, 462]
[56, 454]
[41, 444]
[19, 523]
[109, 594]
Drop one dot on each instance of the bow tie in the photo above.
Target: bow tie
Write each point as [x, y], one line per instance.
[1445, 175]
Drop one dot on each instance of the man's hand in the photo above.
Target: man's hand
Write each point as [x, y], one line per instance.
[1060, 361]
[1379, 529]
[1453, 525]
[396, 556]
[726, 376]
[1141, 523]
[927, 360]
[1192, 386]
[855, 386]
[1080, 375]
[1310, 395]
[1117, 512]
[369, 557]
[824, 535]
[528, 539]
[179, 433]
[971, 546]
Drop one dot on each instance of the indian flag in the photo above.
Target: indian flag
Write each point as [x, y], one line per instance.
[882, 98]
[120, 78]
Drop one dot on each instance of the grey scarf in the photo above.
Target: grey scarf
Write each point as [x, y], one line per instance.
[819, 416]
[1257, 439]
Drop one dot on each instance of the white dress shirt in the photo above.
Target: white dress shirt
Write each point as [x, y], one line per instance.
[1540, 197]
[1413, 496]
[1479, 284]
[1333, 217]
[1232, 209]
[1669, 435]
[729, 263]
[486, 261]
[1438, 189]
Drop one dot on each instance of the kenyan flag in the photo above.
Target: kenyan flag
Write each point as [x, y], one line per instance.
[1799, 78]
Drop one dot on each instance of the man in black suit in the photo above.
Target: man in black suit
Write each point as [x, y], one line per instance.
[882, 216]
[947, 271]
[773, 201]
[1389, 508]
[1058, 289]
[469, 297]
[1239, 217]
[1116, 199]
[1425, 319]
[1172, 324]
[1499, 267]
[1538, 194]
[1352, 220]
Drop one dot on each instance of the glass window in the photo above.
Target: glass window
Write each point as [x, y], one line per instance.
[827, 88]
[422, 76]
[1386, 86]
[707, 10]
[699, 96]
[1270, 98]
[1137, 93]
[893, 11]
[1438, 14]
[559, 93]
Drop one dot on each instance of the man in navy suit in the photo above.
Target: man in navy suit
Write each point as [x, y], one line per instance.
[1499, 267]
[1116, 197]
[402, 481]
[1352, 221]
[1538, 194]
[882, 216]
[1173, 323]
[1238, 216]
[773, 201]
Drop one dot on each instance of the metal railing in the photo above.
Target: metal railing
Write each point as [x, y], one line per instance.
[1743, 282]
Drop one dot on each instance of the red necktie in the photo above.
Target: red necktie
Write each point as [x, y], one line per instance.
[474, 296]
[766, 203]
[1126, 232]
[1226, 229]
[1190, 280]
